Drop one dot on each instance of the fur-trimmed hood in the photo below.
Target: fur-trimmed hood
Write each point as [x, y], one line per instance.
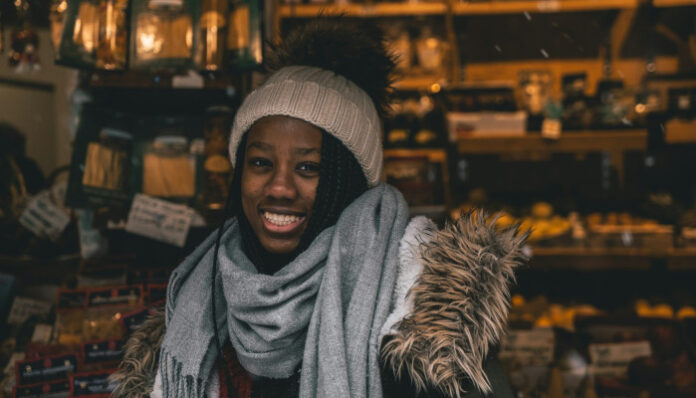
[451, 305]
[456, 309]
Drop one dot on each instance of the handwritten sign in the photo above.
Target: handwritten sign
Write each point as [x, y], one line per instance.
[612, 359]
[23, 308]
[44, 218]
[528, 347]
[160, 220]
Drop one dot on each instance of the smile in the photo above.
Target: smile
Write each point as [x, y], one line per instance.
[277, 222]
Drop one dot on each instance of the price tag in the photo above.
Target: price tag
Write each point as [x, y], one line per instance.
[42, 333]
[159, 220]
[43, 218]
[23, 308]
[528, 347]
[551, 128]
[612, 359]
[548, 5]
[190, 80]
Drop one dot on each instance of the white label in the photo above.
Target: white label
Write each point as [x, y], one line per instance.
[91, 240]
[528, 347]
[551, 128]
[549, 5]
[190, 80]
[43, 218]
[612, 359]
[42, 333]
[23, 308]
[159, 219]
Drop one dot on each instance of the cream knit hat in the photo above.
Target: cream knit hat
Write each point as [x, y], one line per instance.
[324, 99]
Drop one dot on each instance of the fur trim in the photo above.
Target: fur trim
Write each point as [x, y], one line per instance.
[419, 230]
[460, 306]
[136, 372]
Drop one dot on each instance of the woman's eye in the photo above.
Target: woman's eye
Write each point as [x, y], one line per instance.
[308, 167]
[260, 162]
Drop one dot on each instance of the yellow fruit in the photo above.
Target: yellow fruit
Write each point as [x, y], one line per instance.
[542, 210]
[663, 311]
[504, 220]
[686, 312]
[642, 308]
[543, 322]
[517, 300]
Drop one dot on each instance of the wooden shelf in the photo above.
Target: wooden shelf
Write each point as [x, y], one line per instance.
[573, 141]
[362, 10]
[462, 8]
[616, 258]
[674, 3]
[513, 7]
[423, 82]
[680, 132]
[434, 154]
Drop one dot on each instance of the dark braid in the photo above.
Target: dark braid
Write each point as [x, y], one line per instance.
[341, 181]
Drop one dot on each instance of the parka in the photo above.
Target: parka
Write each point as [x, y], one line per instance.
[449, 316]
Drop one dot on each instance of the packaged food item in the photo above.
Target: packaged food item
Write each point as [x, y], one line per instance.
[91, 384]
[213, 25]
[168, 167]
[216, 167]
[245, 34]
[107, 161]
[94, 314]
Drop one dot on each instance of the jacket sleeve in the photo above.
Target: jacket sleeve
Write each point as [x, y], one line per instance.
[404, 387]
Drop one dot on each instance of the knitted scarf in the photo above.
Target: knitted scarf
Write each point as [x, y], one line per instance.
[324, 310]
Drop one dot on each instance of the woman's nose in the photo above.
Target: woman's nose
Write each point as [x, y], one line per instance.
[281, 185]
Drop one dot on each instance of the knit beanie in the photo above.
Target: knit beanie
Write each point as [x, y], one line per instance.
[324, 99]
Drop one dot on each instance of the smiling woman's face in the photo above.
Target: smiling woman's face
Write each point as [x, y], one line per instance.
[279, 180]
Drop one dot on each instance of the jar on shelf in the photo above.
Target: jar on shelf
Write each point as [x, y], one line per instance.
[163, 34]
[213, 25]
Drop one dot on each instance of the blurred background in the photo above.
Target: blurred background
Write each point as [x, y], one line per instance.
[571, 118]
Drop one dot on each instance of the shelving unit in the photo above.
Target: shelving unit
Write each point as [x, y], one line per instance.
[460, 8]
[572, 141]
[673, 3]
[592, 259]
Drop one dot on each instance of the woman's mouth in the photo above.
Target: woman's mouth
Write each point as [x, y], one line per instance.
[281, 223]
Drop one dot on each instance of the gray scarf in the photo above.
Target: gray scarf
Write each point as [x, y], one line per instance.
[324, 310]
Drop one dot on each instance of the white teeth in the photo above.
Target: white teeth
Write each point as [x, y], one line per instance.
[280, 219]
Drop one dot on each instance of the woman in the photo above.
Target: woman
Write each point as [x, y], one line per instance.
[319, 285]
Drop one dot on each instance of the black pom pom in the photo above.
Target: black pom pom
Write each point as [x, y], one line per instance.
[356, 51]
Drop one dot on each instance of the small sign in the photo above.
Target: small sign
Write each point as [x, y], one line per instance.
[23, 308]
[42, 333]
[91, 384]
[45, 369]
[528, 347]
[551, 128]
[612, 359]
[43, 218]
[159, 220]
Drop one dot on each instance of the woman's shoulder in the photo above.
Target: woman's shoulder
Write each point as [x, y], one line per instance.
[451, 301]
